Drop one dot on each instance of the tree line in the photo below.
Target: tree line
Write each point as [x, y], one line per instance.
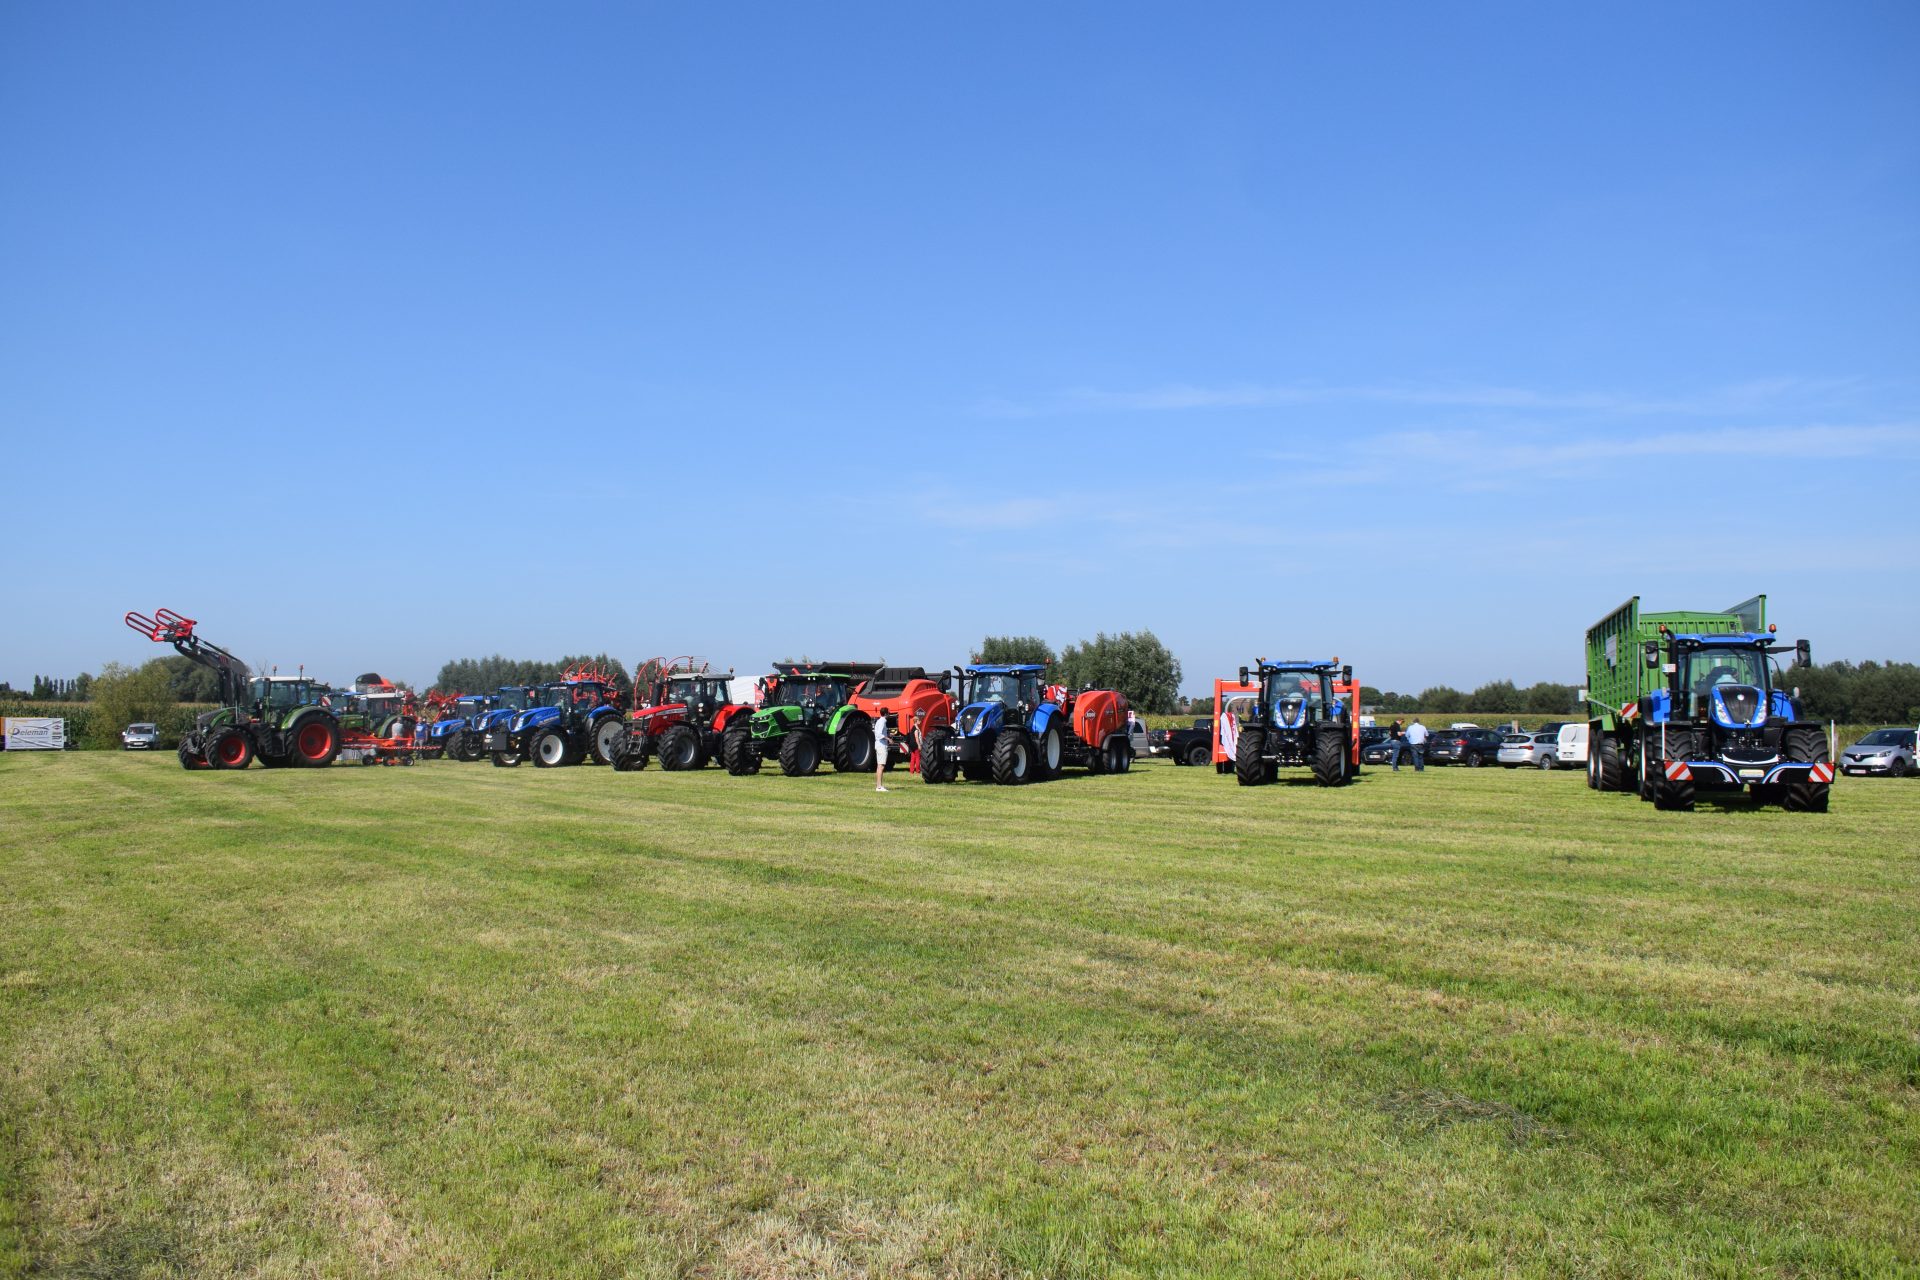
[484, 675]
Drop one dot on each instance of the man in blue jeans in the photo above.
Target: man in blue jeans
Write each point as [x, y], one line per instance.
[1416, 742]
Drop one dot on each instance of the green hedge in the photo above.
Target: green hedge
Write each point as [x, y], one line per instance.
[174, 722]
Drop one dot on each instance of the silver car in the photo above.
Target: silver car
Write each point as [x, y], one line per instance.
[1888, 751]
[1541, 750]
[139, 737]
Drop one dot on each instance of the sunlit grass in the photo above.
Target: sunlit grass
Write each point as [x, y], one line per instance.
[455, 1020]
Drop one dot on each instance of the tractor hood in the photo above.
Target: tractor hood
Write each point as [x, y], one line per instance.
[444, 728]
[1290, 713]
[977, 718]
[533, 718]
[769, 720]
[1738, 706]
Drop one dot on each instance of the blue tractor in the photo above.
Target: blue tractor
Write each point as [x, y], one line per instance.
[458, 736]
[1011, 729]
[1303, 715]
[561, 725]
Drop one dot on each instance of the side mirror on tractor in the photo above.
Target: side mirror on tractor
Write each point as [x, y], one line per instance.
[1802, 654]
[1650, 651]
[1346, 674]
[1243, 675]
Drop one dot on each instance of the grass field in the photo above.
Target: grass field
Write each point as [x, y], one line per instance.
[462, 1021]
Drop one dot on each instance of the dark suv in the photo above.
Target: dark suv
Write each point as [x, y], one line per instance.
[1472, 747]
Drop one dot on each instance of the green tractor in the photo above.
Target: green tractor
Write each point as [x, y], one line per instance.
[275, 719]
[805, 717]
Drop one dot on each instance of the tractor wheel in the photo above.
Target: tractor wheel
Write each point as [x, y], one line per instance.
[548, 749]
[506, 759]
[606, 739]
[933, 760]
[456, 745]
[1047, 753]
[679, 749]
[1805, 743]
[315, 743]
[738, 752]
[1329, 759]
[230, 749]
[1608, 770]
[1198, 754]
[189, 758]
[853, 745]
[1668, 793]
[1012, 757]
[632, 751]
[799, 753]
[1248, 767]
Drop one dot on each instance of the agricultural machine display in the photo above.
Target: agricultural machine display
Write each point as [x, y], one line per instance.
[1010, 729]
[276, 719]
[1684, 701]
[561, 723]
[913, 702]
[1305, 714]
[459, 730]
[805, 717]
[682, 712]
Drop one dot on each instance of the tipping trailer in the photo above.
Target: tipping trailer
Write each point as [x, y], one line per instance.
[1681, 701]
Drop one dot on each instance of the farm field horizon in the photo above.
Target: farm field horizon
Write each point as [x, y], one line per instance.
[459, 1021]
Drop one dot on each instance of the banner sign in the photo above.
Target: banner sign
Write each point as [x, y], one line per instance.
[36, 733]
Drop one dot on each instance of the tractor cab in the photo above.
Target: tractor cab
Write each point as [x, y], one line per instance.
[702, 694]
[1726, 679]
[818, 694]
[514, 698]
[469, 706]
[1017, 688]
[281, 693]
[1296, 694]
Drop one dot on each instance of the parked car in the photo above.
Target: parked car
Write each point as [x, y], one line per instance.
[1380, 752]
[1888, 751]
[1192, 745]
[1540, 750]
[140, 737]
[1472, 747]
[1573, 745]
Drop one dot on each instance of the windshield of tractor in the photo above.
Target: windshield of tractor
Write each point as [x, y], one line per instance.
[280, 693]
[471, 706]
[808, 691]
[1702, 670]
[1008, 688]
[693, 688]
[515, 699]
[1291, 686]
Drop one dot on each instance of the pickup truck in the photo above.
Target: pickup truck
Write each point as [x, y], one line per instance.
[1187, 746]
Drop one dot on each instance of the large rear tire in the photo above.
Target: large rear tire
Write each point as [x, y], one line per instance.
[1609, 770]
[608, 733]
[1012, 759]
[1669, 793]
[314, 743]
[1248, 767]
[1330, 759]
[681, 749]
[934, 765]
[738, 752]
[853, 744]
[1805, 742]
[799, 752]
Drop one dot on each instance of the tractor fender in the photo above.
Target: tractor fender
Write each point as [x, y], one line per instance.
[1044, 716]
[728, 714]
[840, 717]
[599, 713]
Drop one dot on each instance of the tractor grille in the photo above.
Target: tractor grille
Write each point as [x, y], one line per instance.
[970, 720]
[1740, 700]
[1746, 746]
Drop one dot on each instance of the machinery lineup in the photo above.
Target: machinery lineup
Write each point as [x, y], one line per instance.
[1677, 703]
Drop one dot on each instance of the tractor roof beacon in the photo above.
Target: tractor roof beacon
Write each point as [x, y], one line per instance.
[1678, 702]
[805, 716]
[276, 719]
[1012, 728]
[682, 708]
[1303, 715]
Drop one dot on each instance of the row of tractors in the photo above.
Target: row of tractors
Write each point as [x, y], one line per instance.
[984, 722]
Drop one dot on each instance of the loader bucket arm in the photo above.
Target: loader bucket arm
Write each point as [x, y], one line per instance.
[168, 627]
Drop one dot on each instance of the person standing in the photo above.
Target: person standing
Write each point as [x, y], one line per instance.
[880, 744]
[1416, 743]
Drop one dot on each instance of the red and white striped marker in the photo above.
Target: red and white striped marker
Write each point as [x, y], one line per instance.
[1677, 771]
[1821, 773]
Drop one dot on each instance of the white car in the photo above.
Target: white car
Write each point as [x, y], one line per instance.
[1888, 751]
[1541, 750]
[140, 737]
[1573, 744]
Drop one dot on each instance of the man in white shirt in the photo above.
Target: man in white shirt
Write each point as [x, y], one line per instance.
[1416, 743]
[880, 745]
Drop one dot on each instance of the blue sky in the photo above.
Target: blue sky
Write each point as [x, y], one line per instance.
[377, 335]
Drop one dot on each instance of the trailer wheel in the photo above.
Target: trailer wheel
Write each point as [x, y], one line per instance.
[1806, 744]
[1248, 767]
[1329, 760]
[1012, 757]
[934, 766]
[853, 745]
[679, 748]
[799, 753]
[1607, 765]
[1198, 754]
[1121, 761]
[607, 735]
[230, 749]
[737, 751]
[315, 744]
[548, 749]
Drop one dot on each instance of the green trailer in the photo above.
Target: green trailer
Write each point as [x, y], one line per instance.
[1684, 701]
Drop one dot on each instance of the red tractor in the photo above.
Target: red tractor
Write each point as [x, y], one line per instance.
[913, 702]
[681, 707]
